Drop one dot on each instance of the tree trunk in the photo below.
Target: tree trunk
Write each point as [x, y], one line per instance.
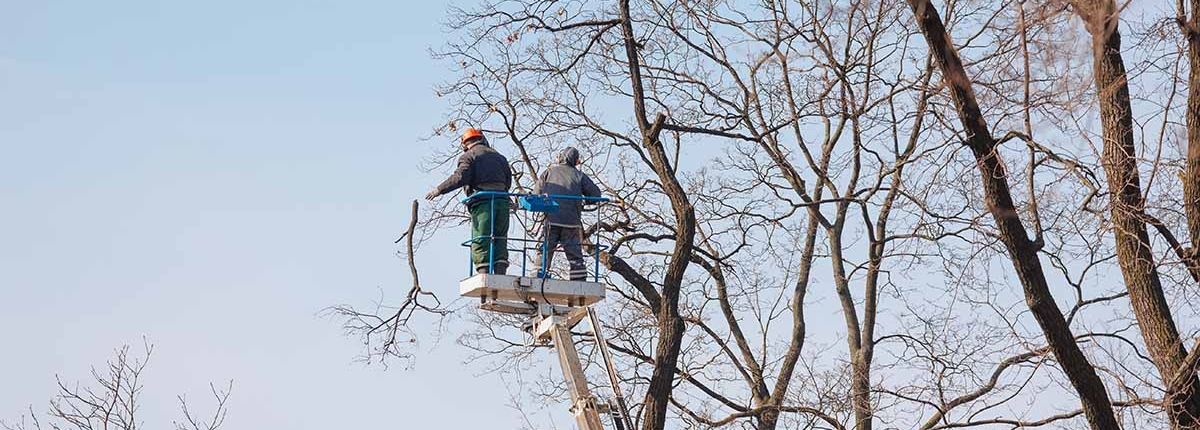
[666, 357]
[769, 420]
[1191, 172]
[858, 347]
[860, 387]
[1134, 253]
[1023, 252]
[670, 324]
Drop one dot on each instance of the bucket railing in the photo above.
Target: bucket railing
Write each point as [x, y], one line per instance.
[528, 244]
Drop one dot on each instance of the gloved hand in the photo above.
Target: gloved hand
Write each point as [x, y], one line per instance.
[432, 194]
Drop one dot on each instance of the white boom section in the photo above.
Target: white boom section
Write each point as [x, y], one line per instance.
[557, 329]
[553, 307]
[621, 415]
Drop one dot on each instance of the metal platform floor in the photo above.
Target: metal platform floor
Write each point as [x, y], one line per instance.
[525, 289]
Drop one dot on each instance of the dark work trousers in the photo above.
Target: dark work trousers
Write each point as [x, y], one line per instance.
[571, 240]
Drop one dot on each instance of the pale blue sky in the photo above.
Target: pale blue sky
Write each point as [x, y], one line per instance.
[210, 175]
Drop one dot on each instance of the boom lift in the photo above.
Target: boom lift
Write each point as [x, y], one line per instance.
[553, 307]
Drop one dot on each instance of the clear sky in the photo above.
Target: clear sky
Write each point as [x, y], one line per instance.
[210, 175]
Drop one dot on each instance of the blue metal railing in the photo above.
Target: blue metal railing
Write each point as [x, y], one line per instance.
[491, 237]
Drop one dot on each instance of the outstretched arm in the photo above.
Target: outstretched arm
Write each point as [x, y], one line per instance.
[460, 178]
[589, 188]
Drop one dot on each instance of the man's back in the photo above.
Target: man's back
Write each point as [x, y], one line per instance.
[566, 180]
[481, 168]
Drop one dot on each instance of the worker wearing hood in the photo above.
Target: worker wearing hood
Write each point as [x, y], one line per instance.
[565, 226]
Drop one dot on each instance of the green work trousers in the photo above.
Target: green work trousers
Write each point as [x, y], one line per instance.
[488, 220]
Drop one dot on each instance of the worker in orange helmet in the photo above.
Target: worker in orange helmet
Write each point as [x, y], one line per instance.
[481, 168]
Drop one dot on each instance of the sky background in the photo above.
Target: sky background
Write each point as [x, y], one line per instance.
[210, 175]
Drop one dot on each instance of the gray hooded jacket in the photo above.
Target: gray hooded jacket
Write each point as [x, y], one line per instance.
[564, 179]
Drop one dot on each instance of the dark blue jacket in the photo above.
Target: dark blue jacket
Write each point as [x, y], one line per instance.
[481, 168]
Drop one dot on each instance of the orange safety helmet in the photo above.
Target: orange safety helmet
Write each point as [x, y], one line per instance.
[470, 133]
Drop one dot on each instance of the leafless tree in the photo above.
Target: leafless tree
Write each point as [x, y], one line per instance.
[112, 401]
[1189, 23]
[1012, 230]
[1129, 215]
[770, 156]
[385, 329]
